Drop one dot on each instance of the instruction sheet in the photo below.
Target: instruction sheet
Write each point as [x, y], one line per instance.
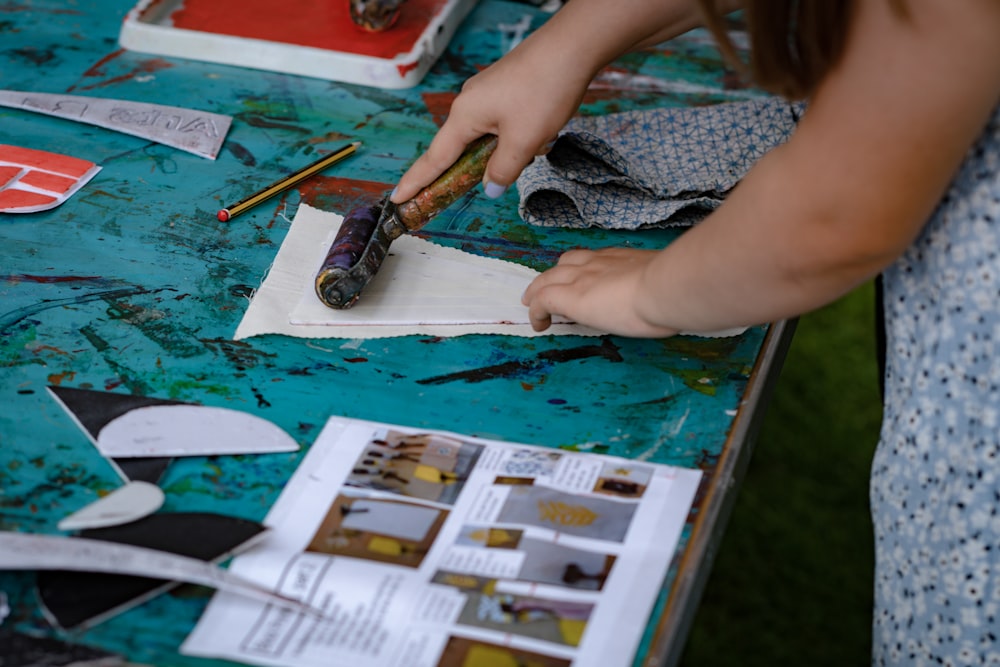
[433, 549]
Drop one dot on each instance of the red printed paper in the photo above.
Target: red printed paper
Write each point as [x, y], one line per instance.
[33, 180]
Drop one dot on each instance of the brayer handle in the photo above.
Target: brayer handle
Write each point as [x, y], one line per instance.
[449, 187]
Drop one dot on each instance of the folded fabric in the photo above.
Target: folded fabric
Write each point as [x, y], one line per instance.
[658, 167]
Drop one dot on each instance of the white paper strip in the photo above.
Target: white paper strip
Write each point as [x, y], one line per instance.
[26, 551]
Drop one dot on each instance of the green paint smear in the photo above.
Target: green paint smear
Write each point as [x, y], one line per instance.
[522, 234]
[699, 380]
[190, 390]
[15, 349]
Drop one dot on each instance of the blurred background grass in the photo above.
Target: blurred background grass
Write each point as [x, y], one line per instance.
[792, 581]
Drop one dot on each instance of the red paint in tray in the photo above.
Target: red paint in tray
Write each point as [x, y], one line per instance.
[326, 25]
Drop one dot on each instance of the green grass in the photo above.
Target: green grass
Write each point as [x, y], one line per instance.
[792, 582]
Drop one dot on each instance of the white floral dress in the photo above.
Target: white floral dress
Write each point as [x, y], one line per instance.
[935, 484]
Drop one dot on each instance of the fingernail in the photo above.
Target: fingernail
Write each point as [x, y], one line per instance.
[494, 190]
[392, 195]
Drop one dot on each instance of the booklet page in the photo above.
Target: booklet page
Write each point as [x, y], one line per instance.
[433, 549]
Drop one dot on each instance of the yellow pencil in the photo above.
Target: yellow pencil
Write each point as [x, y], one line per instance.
[289, 181]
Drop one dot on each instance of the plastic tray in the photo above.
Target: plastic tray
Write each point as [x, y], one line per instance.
[322, 42]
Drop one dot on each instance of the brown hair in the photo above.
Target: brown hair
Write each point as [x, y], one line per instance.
[793, 43]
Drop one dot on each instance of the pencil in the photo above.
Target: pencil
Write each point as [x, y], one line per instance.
[289, 181]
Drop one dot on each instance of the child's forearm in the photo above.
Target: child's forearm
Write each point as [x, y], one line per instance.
[598, 31]
[850, 191]
[776, 249]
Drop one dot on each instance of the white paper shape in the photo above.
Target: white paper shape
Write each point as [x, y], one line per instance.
[127, 503]
[190, 430]
[421, 289]
[25, 551]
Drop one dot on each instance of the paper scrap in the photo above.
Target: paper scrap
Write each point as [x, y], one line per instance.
[198, 132]
[33, 180]
[128, 426]
[190, 430]
[123, 505]
[75, 601]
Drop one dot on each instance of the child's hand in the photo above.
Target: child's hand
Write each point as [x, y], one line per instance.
[597, 289]
[525, 99]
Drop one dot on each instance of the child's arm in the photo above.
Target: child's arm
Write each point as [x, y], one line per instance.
[829, 209]
[527, 96]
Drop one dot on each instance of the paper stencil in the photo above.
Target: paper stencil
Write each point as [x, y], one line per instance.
[198, 132]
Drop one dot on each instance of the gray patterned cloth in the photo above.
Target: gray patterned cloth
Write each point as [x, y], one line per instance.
[652, 168]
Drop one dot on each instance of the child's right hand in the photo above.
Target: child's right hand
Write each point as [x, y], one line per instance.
[524, 98]
[527, 96]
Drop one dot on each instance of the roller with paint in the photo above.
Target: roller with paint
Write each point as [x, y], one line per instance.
[362, 243]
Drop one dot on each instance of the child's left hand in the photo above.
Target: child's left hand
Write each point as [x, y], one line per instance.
[596, 288]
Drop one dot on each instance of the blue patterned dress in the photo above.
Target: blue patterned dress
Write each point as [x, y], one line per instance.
[935, 485]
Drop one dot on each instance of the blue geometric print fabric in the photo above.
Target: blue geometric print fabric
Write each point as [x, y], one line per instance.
[659, 167]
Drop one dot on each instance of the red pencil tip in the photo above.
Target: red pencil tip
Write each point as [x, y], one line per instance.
[223, 215]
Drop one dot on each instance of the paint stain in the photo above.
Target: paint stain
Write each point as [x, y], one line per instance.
[542, 361]
[143, 68]
[37, 57]
[28, 278]
[156, 326]
[241, 153]
[50, 348]
[336, 193]
[57, 378]
[240, 354]
[269, 123]
[439, 104]
[93, 338]
[245, 291]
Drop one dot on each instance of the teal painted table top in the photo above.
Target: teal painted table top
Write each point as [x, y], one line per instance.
[134, 286]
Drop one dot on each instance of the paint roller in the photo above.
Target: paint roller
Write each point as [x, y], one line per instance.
[361, 244]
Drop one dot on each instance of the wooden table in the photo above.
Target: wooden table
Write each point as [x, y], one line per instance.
[134, 286]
